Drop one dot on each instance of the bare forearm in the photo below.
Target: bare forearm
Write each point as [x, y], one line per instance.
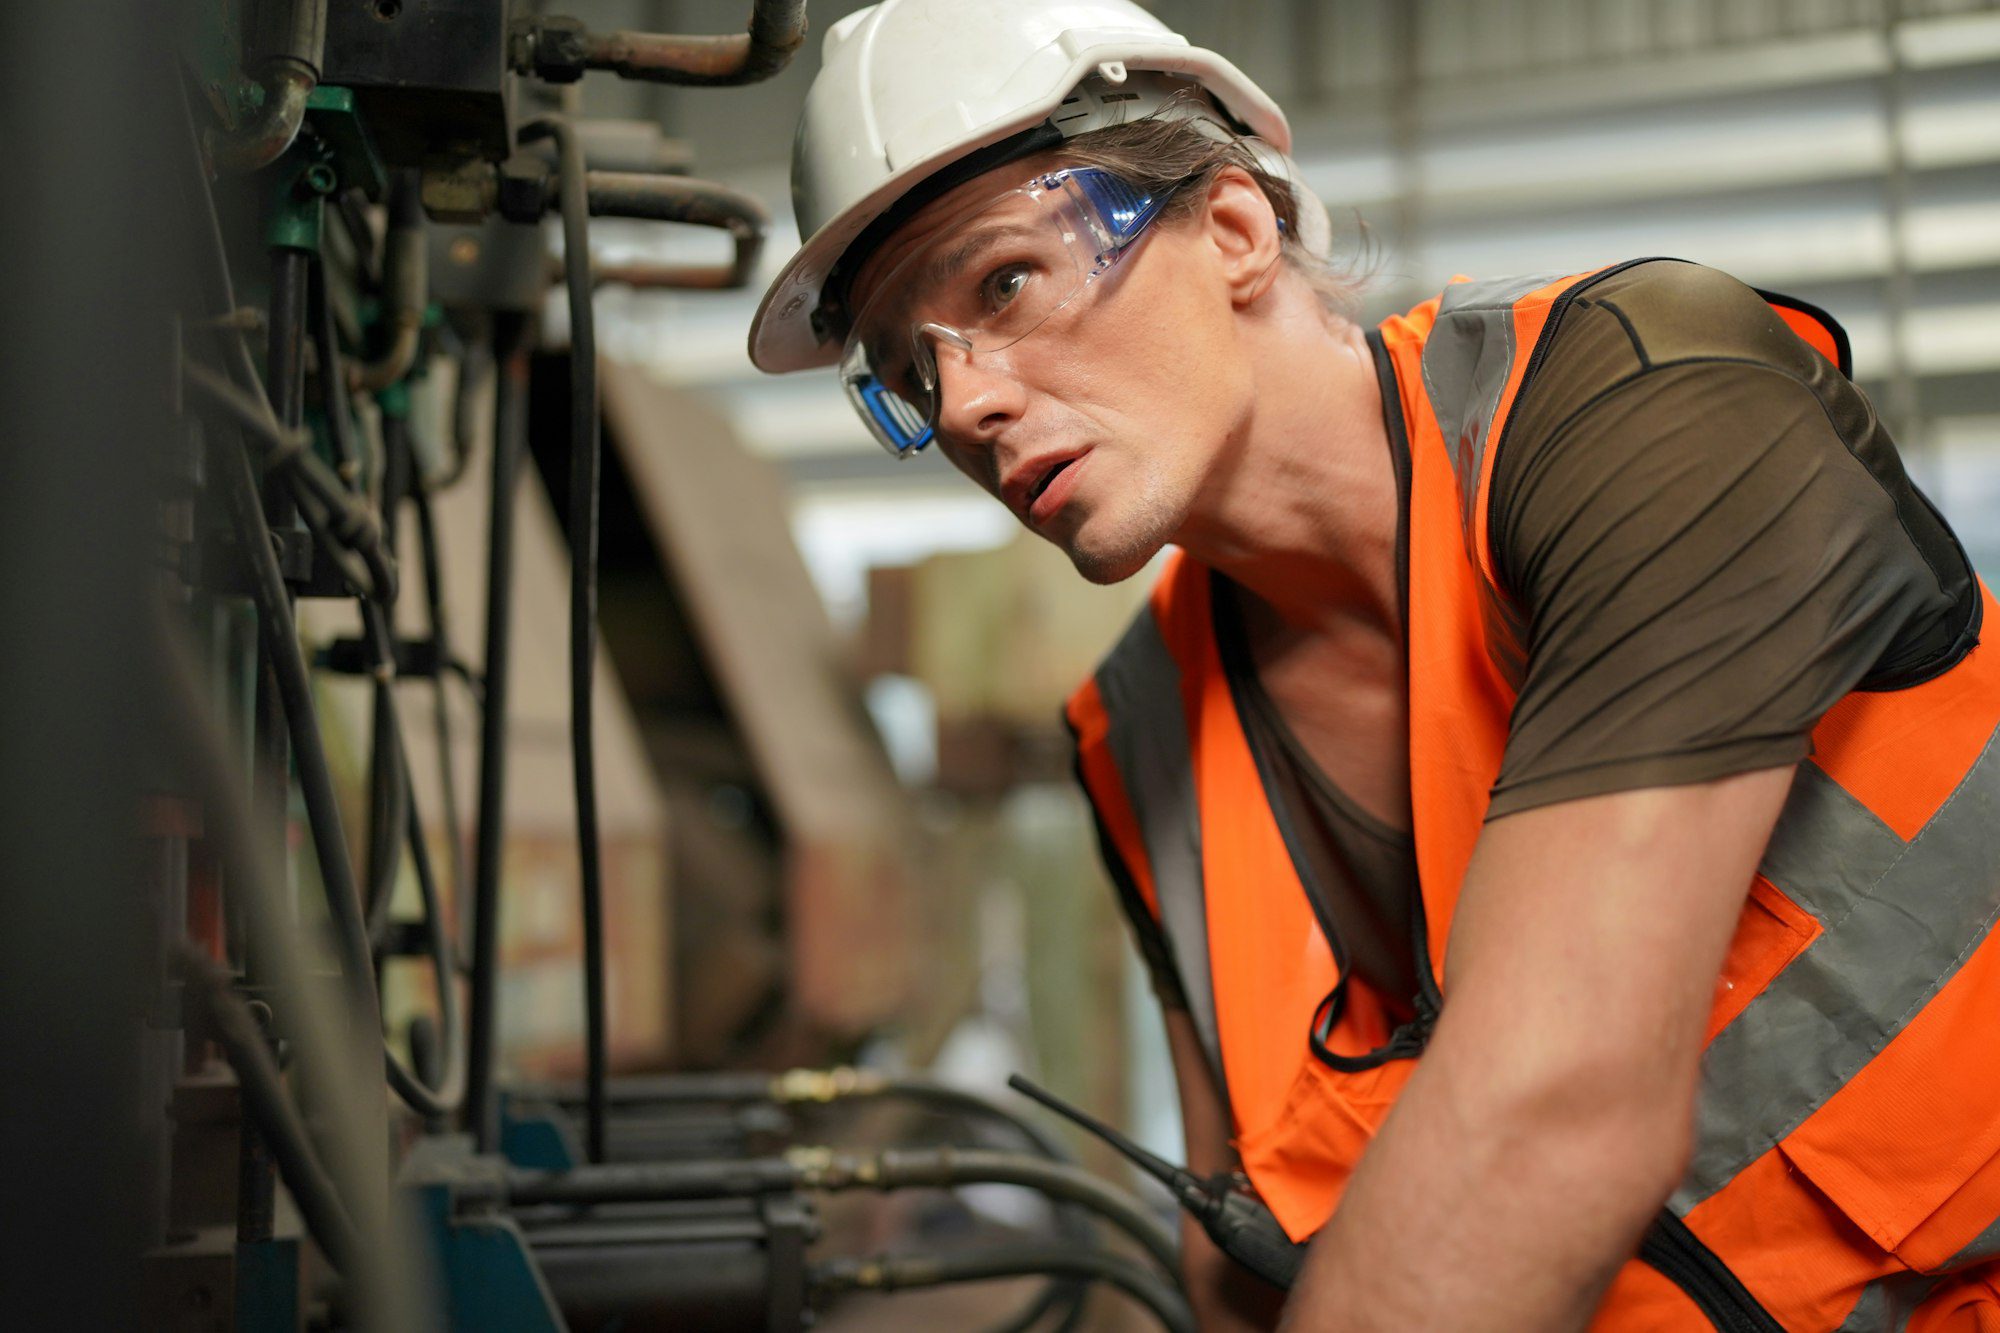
[1471, 1216]
[1551, 1115]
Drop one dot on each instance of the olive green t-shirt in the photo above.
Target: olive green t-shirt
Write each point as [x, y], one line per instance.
[1709, 540]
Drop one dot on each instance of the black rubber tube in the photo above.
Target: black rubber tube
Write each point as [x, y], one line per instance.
[388, 783]
[285, 346]
[936, 1168]
[333, 404]
[249, 1053]
[906, 1272]
[435, 613]
[279, 635]
[584, 465]
[440, 1102]
[513, 335]
[346, 528]
[281, 644]
[950, 1167]
[349, 1126]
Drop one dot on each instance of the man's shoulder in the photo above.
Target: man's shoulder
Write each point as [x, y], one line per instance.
[1670, 310]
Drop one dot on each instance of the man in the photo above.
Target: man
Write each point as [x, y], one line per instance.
[1550, 782]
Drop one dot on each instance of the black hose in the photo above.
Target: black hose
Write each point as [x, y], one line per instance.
[442, 1101]
[905, 1272]
[388, 785]
[350, 927]
[243, 1043]
[513, 336]
[826, 1087]
[951, 1167]
[344, 527]
[434, 608]
[285, 348]
[281, 645]
[834, 1172]
[333, 404]
[583, 521]
[330, 1054]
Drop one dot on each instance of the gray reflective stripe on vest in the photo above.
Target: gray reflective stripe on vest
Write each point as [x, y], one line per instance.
[1467, 359]
[1887, 1303]
[1899, 918]
[1139, 685]
[1984, 1246]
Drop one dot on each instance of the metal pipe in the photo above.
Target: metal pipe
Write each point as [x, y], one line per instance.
[625, 194]
[291, 52]
[905, 1272]
[287, 84]
[513, 339]
[560, 49]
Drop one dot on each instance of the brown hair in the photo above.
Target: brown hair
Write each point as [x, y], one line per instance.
[1167, 149]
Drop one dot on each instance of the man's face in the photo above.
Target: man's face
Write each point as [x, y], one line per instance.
[1098, 428]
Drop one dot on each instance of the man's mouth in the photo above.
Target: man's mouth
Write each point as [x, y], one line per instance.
[1047, 479]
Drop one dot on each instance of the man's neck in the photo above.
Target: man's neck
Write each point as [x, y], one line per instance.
[1302, 509]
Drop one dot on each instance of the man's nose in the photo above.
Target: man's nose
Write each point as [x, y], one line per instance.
[977, 398]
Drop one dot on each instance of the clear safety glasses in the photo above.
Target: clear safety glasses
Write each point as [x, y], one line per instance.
[984, 285]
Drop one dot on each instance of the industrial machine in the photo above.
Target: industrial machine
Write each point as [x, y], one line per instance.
[343, 206]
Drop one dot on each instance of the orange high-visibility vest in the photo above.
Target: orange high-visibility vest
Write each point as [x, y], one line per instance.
[1846, 1155]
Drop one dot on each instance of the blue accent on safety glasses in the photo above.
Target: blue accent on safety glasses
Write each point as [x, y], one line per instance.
[1094, 215]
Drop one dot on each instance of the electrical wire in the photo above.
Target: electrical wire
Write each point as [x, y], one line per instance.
[836, 1172]
[281, 647]
[280, 636]
[442, 1101]
[434, 610]
[907, 1272]
[330, 1056]
[346, 529]
[513, 337]
[243, 1042]
[583, 522]
[804, 1089]
[332, 395]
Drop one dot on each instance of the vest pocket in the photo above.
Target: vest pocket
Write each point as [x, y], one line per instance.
[1925, 1233]
[1301, 1161]
[1770, 933]
[1909, 1148]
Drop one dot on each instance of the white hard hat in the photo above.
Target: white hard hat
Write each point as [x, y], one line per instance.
[909, 88]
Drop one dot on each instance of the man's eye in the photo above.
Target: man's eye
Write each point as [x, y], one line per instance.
[1003, 285]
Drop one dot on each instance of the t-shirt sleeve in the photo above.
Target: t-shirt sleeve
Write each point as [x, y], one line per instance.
[1709, 541]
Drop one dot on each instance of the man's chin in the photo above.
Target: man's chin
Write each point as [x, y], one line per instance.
[1106, 567]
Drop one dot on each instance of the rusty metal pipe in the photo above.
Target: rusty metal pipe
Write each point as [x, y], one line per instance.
[289, 72]
[560, 49]
[620, 194]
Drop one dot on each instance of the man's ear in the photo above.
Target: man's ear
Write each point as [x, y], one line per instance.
[1244, 232]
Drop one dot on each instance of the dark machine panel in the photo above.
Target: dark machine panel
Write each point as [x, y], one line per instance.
[429, 75]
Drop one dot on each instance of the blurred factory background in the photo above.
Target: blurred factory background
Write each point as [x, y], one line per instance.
[837, 821]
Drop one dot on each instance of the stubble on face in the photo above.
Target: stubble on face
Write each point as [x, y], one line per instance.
[1128, 531]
